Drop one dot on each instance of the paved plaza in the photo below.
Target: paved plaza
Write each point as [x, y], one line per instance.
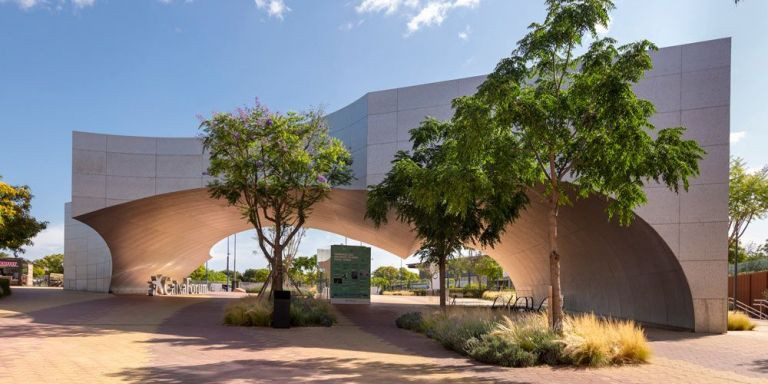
[50, 335]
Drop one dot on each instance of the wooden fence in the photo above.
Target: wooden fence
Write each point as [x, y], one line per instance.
[751, 286]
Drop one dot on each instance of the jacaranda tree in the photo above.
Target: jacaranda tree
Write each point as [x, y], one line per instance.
[274, 167]
[573, 121]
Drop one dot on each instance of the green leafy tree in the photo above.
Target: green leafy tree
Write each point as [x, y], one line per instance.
[414, 190]
[488, 267]
[747, 201]
[573, 121]
[304, 269]
[53, 263]
[274, 167]
[385, 277]
[17, 226]
[212, 276]
[258, 275]
[408, 277]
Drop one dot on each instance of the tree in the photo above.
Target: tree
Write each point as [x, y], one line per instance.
[385, 276]
[488, 267]
[274, 167]
[54, 263]
[303, 269]
[408, 277]
[414, 190]
[199, 274]
[747, 201]
[256, 275]
[574, 121]
[17, 226]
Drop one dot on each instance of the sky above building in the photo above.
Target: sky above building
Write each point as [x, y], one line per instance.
[148, 67]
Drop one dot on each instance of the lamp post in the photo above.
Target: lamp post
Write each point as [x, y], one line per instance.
[736, 276]
[235, 262]
[228, 264]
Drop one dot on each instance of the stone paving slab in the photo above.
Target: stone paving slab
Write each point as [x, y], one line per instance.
[69, 337]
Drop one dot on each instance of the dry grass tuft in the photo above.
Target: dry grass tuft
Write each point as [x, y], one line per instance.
[739, 321]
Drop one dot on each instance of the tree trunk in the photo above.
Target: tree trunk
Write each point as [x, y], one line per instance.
[277, 269]
[442, 281]
[554, 268]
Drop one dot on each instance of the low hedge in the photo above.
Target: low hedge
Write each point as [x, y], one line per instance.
[5, 287]
[467, 292]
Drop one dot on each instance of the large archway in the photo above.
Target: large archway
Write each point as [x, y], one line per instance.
[627, 272]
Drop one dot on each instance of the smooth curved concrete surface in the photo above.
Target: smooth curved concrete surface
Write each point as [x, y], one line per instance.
[145, 199]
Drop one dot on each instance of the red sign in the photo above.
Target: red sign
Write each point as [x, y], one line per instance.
[6, 263]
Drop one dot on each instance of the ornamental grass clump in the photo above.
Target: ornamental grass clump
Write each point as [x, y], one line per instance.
[739, 321]
[525, 339]
[502, 295]
[595, 342]
[254, 312]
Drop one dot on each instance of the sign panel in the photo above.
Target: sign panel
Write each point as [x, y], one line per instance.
[350, 274]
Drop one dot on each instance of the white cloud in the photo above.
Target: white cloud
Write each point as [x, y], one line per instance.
[737, 136]
[50, 240]
[429, 13]
[388, 6]
[83, 3]
[464, 35]
[274, 8]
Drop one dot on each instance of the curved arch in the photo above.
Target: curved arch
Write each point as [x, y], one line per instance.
[627, 272]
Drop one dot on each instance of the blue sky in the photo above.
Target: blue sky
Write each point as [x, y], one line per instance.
[148, 67]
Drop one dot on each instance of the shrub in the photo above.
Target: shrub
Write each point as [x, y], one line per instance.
[398, 293]
[311, 312]
[493, 349]
[251, 311]
[739, 321]
[412, 321]
[5, 287]
[524, 340]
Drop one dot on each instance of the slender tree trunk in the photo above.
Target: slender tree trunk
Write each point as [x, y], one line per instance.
[441, 265]
[277, 269]
[554, 267]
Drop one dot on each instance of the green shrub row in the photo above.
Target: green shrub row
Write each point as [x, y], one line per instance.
[522, 340]
[305, 312]
[468, 291]
[5, 287]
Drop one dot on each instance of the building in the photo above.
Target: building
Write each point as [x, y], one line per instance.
[139, 204]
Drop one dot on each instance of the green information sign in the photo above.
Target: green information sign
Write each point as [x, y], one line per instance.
[350, 274]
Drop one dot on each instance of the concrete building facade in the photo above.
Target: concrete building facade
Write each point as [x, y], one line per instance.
[139, 204]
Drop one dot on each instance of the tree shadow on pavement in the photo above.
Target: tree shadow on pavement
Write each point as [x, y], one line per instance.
[314, 370]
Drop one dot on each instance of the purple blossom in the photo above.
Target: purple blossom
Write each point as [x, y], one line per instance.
[268, 122]
[237, 136]
[321, 179]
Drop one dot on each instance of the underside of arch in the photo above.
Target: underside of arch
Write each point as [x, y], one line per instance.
[626, 272]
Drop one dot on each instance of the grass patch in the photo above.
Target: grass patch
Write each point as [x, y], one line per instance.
[253, 312]
[492, 295]
[739, 321]
[522, 340]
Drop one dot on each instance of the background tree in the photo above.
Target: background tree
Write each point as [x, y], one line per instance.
[407, 277]
[488, 267]
[213, 276]
[385, 276]
[53, 263]
[575, 121]
[747, 201]
[258, 275]
[274, 167]
[412, 189]
[17, 226]
[303, 270]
